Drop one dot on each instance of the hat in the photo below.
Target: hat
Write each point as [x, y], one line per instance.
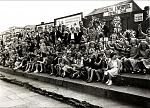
[92, 42]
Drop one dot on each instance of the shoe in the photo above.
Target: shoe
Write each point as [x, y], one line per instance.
[131, 69]
[98, 80]
[51, 74]
[27, 71]
[64, 74]
[110, 83]
[15, 68]
[78, 76]
[73, 75]
[107, 82]
[41, 71]
[144, 71]
[89, 81]
[86, 80]
[138, 71]
[105, 73]
[36, 71]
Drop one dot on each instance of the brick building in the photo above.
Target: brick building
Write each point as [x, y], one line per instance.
[130, 13]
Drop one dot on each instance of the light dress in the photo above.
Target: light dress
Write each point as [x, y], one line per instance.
[113, 71]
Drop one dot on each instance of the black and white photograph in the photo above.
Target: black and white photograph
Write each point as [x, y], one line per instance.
[75, 54]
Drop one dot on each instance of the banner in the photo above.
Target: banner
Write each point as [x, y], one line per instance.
[49, 25]
[69, 21]
[138, 17]
[43, 26]
[118, 9]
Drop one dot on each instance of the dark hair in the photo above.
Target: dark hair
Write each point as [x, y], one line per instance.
[100, 54]
[145, 43]
[146, 8]
[43, 54]
[112, 54]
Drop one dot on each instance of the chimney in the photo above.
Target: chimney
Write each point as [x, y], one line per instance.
[146, 12]
[42, 23]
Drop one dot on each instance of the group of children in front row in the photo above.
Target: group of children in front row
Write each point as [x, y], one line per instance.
[73, 65]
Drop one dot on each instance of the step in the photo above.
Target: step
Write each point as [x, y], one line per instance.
[137, 80]
[126, 79]
[133, 95]
[94, 100]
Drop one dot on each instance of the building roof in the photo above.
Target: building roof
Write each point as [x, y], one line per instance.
[102, 10]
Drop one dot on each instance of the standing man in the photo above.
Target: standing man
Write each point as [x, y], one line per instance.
[145, 24]
[105, 29]
[105, 33]
[78, 35]
[59, 33]
[53, 35]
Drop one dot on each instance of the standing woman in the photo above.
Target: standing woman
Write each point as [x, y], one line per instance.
[114, 66]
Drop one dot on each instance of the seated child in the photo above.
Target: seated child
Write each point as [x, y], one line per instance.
[114, 66]
[86, 64]
[77, 66]
[41, 62]
[30, 62]
[92, 66]
[67, 61]
[18, 62]
[146, 61]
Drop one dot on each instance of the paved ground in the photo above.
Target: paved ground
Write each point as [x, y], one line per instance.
[17, 97]
[100, 101]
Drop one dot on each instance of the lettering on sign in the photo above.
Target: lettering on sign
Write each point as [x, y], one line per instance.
[117, 9]
[138, 17]
[69, 21]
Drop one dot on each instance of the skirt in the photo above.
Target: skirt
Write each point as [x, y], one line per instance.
[113, 72]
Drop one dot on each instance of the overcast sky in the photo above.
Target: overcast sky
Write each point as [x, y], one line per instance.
[21, 13]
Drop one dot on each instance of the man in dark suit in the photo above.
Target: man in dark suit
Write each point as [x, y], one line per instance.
[78, 35]
[46, 36]
[59, 33]
[146, 23]
[65, 36]
[68, 35]
[105, 29]
[53, 35]
[72, 35]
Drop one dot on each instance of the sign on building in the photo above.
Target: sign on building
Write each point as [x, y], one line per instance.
[118, 9]
[138, 17]
[69, 21]
[44, 26]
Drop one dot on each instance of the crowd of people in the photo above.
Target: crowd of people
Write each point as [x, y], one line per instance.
[91, 54]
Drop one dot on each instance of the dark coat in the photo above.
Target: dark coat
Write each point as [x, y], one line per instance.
[52, 36]
[59, 35]
[69, 37]
[78, 37]
[106, 30]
